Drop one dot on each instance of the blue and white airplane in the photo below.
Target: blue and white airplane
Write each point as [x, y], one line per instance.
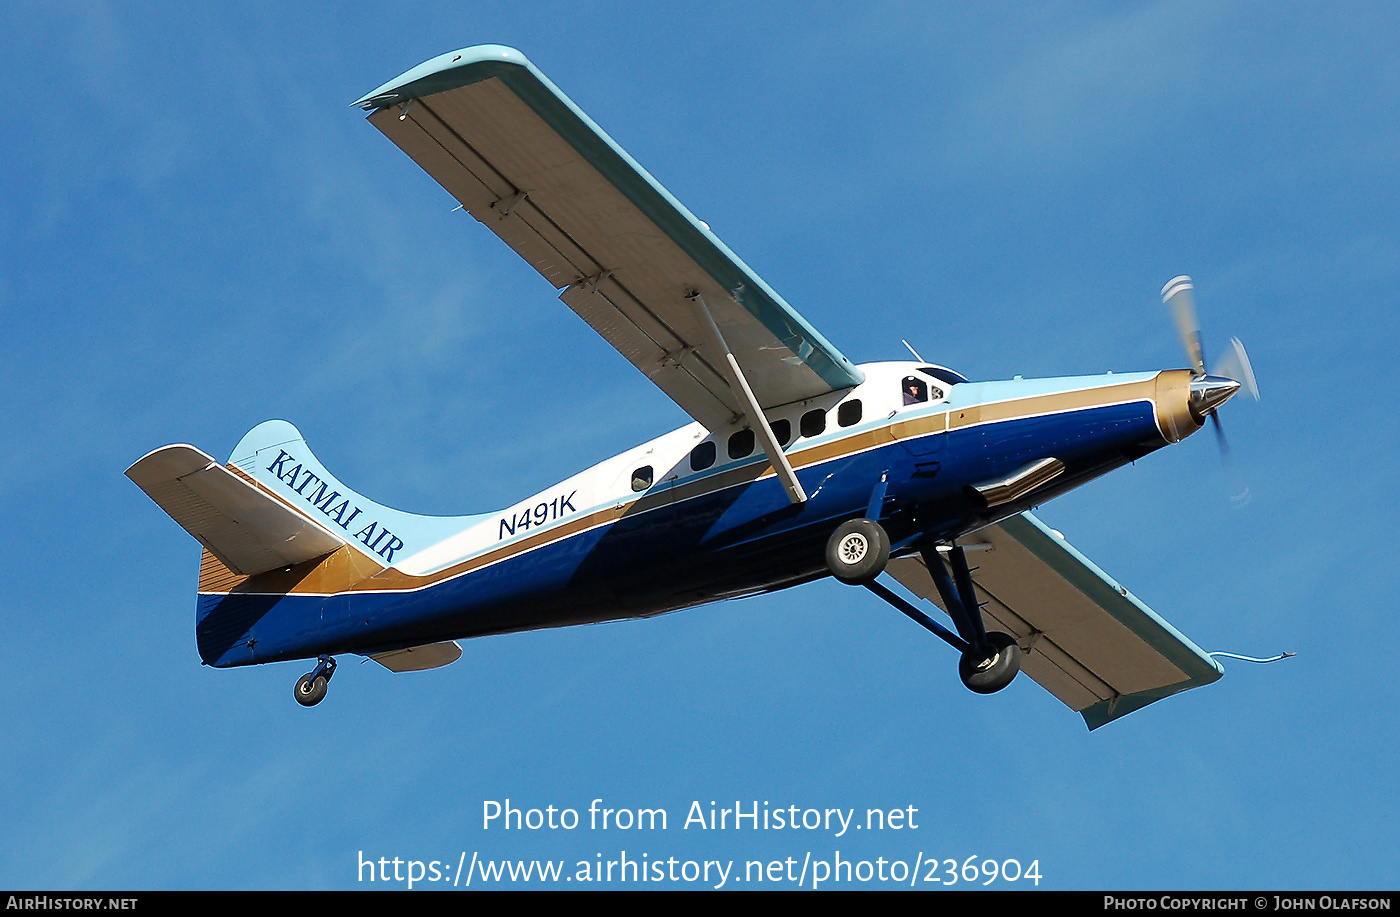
[799, 464]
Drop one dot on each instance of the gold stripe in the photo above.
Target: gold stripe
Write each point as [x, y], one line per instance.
[1055, 403]
[335, 573]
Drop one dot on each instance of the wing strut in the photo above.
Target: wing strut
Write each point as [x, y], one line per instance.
[735, 377]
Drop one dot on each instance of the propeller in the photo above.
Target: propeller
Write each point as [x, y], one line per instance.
[1180, 298]
[1231, 372]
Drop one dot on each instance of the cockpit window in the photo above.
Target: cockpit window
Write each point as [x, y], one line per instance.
[915, 390]
[641, 478]
[943, 374]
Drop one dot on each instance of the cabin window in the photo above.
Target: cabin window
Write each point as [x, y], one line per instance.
[813, 423]
[741, 444]
[782, 431]
[849, 413]
[641, 478]
[702, 456]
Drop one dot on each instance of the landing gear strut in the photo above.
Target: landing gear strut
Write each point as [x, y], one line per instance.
[989, 661]
[311, 687]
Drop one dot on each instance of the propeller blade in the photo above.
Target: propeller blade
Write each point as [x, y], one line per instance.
[1220, 439]
[1234, 364]
[1231, 373]
[1179, 297]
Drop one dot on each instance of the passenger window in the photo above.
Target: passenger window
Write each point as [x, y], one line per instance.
[702, 456]
[813, 423]
[641, 478]
[782, 431]
[849, 413]
[741, 444]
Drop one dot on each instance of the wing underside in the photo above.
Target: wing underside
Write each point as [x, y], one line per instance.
[526, 162]
[1091, 643]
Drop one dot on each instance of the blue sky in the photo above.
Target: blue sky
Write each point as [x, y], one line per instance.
[201, 234]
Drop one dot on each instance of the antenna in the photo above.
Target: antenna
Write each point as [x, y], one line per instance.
[1252, 658]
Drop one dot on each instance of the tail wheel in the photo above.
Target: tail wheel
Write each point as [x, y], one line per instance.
[310, 691]
[857, 551]
[988, 674]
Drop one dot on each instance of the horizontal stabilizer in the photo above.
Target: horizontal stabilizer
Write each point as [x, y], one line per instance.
[248, 530]
[419, 658]
[1091, 643]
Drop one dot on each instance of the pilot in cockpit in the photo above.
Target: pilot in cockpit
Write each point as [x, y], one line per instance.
[915, 390]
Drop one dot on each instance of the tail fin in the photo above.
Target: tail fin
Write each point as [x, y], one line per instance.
[276, 456]
[274, 507]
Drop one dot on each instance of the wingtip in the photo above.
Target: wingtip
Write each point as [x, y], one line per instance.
[400, 89]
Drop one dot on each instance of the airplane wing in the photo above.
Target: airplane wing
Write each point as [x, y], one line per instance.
[524, 160]
[1092, 644]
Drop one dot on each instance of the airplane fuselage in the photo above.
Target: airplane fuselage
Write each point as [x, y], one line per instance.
[689, 518]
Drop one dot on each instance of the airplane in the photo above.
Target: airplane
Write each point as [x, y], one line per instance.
[798, 464]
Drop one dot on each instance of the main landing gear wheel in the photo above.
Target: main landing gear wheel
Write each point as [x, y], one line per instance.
[310, 691]
[857, 551]
[989, 674]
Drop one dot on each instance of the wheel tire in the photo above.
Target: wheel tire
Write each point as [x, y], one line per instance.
[989, 675]
[310, 692]
[857, 551]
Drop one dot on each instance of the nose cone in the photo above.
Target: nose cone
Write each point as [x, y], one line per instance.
[1209, 393]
